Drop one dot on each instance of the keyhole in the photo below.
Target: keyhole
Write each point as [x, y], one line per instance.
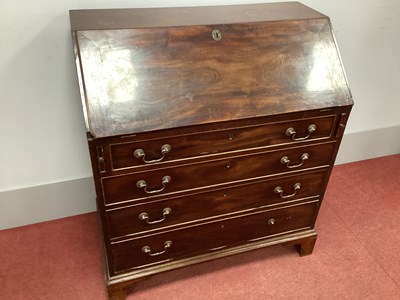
[230, 137]
[216, 34]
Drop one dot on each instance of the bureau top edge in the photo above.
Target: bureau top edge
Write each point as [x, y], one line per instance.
[102, 19]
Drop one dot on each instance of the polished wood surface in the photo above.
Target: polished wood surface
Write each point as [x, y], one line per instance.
[223, 171]
[212, 235]
[95, 19]
[194, 145]
[184, 77]
[187, 209]
[207, 143]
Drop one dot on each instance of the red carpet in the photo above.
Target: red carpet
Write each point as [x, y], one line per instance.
[357, 255]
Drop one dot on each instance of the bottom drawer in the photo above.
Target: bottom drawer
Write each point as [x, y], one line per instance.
[150, 250]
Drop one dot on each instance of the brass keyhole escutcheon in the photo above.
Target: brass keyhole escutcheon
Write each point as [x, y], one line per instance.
[216, 34]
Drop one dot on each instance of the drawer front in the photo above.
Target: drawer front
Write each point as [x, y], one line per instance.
[161, 214]
[192, 176]
[200, 239]
[133, 154]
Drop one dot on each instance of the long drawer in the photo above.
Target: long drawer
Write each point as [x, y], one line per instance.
[125, 155]
[191, 176]
[141, 252]
[161, 214]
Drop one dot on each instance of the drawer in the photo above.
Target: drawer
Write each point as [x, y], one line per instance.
[133, 154]
[195, 240]
[178, 179]
[157, 215]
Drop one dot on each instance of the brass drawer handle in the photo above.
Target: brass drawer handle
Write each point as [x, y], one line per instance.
[271, 222]
[142, 184]
[286, 161]
[147, 249]
[279, 190]
[139, 153]
[291, 132]
[145, 217]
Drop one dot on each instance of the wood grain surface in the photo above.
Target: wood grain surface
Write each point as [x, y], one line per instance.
[145, 79]
[227, 89]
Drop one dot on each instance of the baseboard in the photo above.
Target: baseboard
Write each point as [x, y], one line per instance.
[369, 144]
[62, 199]
[46, 202]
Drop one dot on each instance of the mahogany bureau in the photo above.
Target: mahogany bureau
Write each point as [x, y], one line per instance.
[212, 130]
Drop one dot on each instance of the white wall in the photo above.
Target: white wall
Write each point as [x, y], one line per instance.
[42, 131]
